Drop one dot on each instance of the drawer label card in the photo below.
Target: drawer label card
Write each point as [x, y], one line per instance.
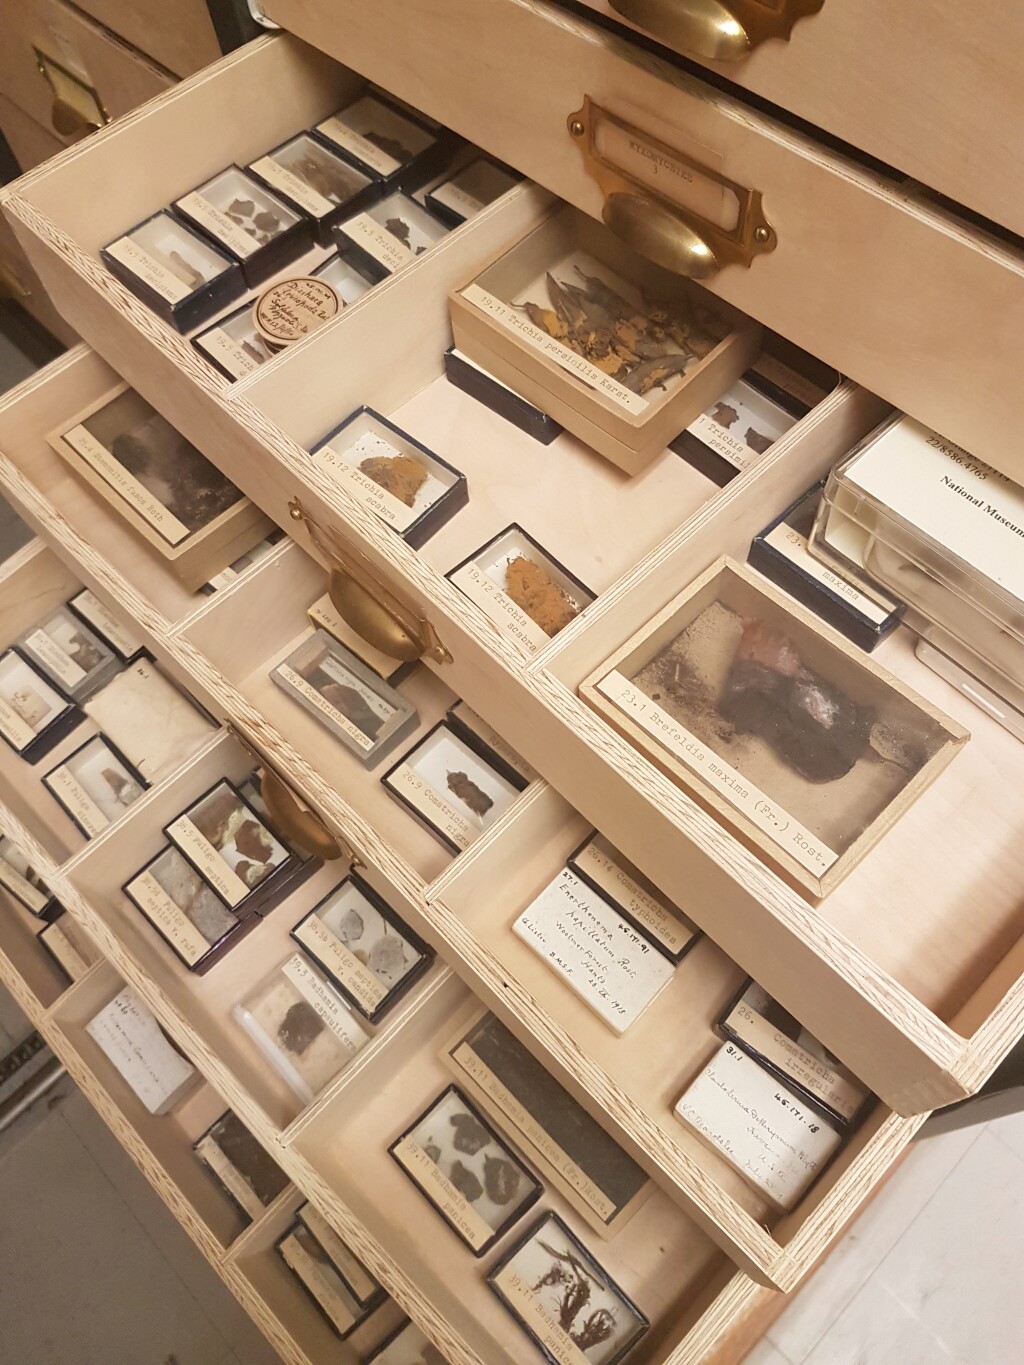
[377, 242]
[149, 270]
[454, 1205]
[793, 546]
[759, 1126]
[169, 918]
[358, 146]
[19, 732]
[230, 1176]
[235, 358]
[80, 805]
[89, 606]
[60, 664]
[510, 619]
[332, 1010]
[610, 965]
[218, 224]
[365, 490]
[670, 176]
[320, 703]
[134, 493]
[798, 841]
[299, 191]
[224, 879]
[517, 323]
[340, 962]
[601, 864]
[408, 784]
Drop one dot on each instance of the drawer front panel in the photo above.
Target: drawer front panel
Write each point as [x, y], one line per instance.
[932, 88]
[853, 276]
[30, 142]
[80, 54]
[180, 37]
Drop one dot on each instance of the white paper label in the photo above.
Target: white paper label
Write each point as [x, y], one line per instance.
[364, 490]
[716, 438]
[77, 801]
[60, 664]
[520, 326]
[459, 200]
[776, 1142]
[669, 175]
[88, 605]
[149, 270]
[793, 545]
[66, 952]
[209, 862]
[132, 1041]
[169, 918]
[134, 493]
[18, 731]
[432, 805]
[322, 998]
[798, 841]
[29, 895]
[234, 358]
[321, 704]
[218, 224]
[230, 1177]
[319, 1284]
[608, 874]
[376, 241]
[454, 1205]
[510, 619]
[358, 146]
[972, 511]
[610, 966]
[342, 964]
[299, 191]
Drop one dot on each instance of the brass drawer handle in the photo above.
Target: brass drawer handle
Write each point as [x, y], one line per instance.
[639, 175]
[717, 30]
[77, 108]
[11, 284]
[299, 825]
[368, 605]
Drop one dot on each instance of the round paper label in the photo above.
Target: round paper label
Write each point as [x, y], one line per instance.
[291, 309]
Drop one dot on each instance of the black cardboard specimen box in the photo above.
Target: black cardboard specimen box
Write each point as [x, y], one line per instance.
[34, 716]
[489, 745]
[248, 222]
[365, 1288]
[410, 488]
[240, 1165]
[325, 616]
[95, 785]
[343, 277]
[108, 626]
[389, 144]
[69, 945]
[620, 352]
[23, 882]
[233, 345]
[364, 947]
[775, 722]
[315, 181]
[781, 553]
[64, 649]
[495, 394]
[186, 512]
[388, 235]
[174, 270]
[471, 1175]
[311, 1265]
[563, 1299]
[468, 191]
[186, 911]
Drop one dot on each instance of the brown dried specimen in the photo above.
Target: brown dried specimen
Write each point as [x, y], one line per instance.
[300, 1027]
[185, 272]
[248, 1157]
[391, 145]
[470, 1136]
[463, 786]
[757, 440]
[252, 841]
[325, 177]
[399, 228]
[351, 704]
[466, 1182]
[501, 1180]
[725, 415]
[399, 475]
[542, 599]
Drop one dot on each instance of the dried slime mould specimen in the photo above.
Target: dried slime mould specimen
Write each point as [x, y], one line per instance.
[640, 350]
[300, 1027]
[259, 1171]
[571, 1277]
[390, 145]
[399, 475]
[258, 223]
[539, 596]
[463, 786]
[399, 228]
[470, 1136]
[466, 1182]
[353, 706]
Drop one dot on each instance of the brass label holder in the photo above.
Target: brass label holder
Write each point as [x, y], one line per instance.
[368, 605]
[291, 817]
[666, 232]
[77, 107]
[718, 30]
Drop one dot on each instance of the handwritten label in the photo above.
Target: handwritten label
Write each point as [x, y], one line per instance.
[609, 965]
[320, 703]
[383, 246]
[230, 1176]
[550, 1336]
[432, 805]
[149, 270]
[793, 546]
[89, 606]
[169, 918]
[440, 1190]
[771, 1137]
[600, 863]
[218, 224]
[208, 860]
[331, 1009]
[798, 841]
[521, 327]
[299, 191]
[292, 309]
[364, 490]
[510, 619]
[131, 1039]
[59, 663]
[77, 801]
[12, 727]
[340, 962]
[99, 458]
[532, 1131]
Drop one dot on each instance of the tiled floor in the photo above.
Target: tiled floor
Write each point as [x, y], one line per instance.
[932, 1272]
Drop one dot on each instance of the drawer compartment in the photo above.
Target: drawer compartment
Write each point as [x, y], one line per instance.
[852, 277]
[181, 38]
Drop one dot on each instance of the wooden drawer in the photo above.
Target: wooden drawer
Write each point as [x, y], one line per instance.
[852, 278]
[30, 142]
[921, 1034]
[180, 37]
[933, 92]
[82, 55]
